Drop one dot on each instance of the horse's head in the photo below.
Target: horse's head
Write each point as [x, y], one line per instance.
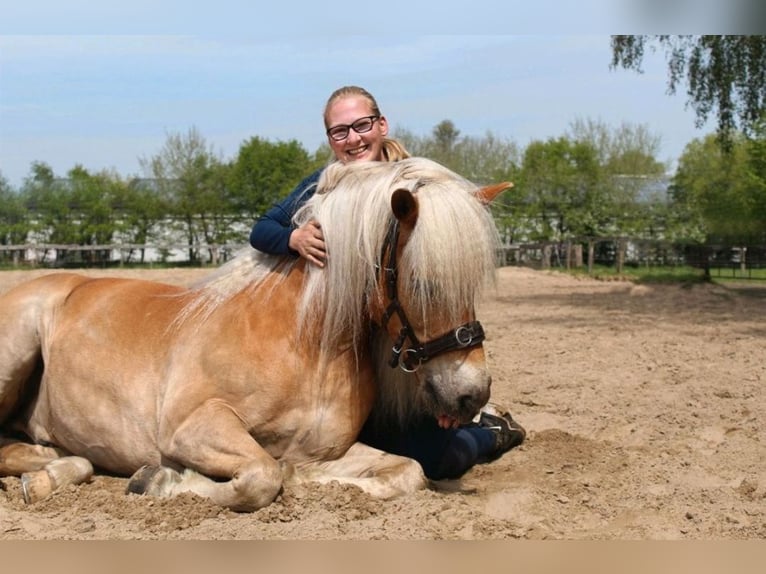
[429, 314]
[410, 245]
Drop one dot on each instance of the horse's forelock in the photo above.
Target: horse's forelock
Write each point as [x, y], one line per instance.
[452, 251]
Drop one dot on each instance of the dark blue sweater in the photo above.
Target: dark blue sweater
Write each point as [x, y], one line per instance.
[271, 233]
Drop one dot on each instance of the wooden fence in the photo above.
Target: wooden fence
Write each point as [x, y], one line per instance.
[570, 254]
[52, 254]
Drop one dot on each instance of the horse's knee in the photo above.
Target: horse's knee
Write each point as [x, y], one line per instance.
[17, 457]
[407, 476]
[257, 484]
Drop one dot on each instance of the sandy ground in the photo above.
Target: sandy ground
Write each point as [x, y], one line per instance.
[644, 407]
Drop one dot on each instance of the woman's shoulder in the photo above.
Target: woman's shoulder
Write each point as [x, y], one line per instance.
[312, 178]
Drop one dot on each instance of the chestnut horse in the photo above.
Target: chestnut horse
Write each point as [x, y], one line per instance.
[263, 374]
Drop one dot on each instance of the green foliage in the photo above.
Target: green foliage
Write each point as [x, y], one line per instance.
[484, 161]
[723, 191]
[755, 176]
[14, 226]
[140, 209]
[625, 150]
[49, 199]
[265, 172]
[563, 186]
[190, 180]
[724, 74]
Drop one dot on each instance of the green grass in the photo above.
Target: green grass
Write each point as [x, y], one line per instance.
[735, 274]
[680, 274]
[646, 274]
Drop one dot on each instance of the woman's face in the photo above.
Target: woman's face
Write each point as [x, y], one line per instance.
[366, 146]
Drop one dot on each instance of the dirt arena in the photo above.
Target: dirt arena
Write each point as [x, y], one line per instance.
[644, 407]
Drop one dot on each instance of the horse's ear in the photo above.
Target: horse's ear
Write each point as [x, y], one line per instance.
[405, 207]
[487, 194]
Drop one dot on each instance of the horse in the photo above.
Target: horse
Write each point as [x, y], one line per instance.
[261, 375]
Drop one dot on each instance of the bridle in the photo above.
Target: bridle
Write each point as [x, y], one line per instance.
[467, 335]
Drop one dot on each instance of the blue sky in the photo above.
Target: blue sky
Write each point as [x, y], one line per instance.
[107, 89]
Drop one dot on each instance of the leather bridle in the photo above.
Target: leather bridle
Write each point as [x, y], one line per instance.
[467, 335]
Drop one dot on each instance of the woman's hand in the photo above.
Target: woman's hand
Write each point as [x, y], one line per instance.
[308, 241]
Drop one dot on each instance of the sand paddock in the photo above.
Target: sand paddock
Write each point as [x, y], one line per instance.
[644, 407]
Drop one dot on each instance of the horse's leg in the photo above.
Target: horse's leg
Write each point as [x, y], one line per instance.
[25, 315]
[214, 442]
[378, 473]
[42, 469]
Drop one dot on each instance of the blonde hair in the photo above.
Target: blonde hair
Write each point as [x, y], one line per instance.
[393, 150]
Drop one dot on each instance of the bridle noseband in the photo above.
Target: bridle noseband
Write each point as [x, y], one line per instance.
[466, 335]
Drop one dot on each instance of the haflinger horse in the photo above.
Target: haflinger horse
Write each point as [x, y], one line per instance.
[263, 374]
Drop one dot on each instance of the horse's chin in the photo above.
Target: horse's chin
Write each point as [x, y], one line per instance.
[450, 422]
[447, 414]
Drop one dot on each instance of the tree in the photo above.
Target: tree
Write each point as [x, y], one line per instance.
[626, 150]
[724, 74]
[563, 185]
[723, 193]
[633, 175]
[186, 176]
[92, 200]
[445, 137]
[265, 172]
[482, 160]
[755, 172]
[141, 208]
[48, 199]
[14, 226]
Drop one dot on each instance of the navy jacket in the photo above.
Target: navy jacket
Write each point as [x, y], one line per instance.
[271, 233]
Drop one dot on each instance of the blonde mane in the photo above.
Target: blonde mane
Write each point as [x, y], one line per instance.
[449, 257]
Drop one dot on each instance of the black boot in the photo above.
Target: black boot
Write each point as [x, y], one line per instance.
[508, 433]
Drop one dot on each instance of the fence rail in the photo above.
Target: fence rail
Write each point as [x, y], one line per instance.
[58, 254]
[725, 261]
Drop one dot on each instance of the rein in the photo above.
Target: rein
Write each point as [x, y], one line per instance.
[409, 360]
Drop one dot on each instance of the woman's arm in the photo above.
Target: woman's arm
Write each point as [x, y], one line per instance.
[271, 233]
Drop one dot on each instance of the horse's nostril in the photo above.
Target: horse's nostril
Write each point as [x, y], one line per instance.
[470, 403]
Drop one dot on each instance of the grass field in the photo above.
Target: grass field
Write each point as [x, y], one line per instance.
[679, 274]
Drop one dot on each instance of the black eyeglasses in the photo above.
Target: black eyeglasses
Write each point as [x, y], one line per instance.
[360, 126]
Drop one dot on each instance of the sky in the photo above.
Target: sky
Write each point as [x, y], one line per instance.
[104, 90]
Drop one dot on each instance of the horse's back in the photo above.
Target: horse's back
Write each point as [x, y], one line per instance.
[29, 316]
[48, 288]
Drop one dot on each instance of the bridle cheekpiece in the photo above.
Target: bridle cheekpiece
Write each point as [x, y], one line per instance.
[467, 335]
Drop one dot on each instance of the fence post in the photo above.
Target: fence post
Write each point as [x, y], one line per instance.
[621, 246]
[546, 262]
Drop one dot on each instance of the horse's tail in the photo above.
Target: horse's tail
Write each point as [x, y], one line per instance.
[26, 313]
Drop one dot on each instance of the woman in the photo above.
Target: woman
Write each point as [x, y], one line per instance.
[357, 131]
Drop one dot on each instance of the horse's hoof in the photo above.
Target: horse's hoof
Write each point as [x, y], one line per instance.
[153, 480]
[36, 485]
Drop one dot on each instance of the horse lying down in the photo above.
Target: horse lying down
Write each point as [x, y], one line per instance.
[263, 374]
